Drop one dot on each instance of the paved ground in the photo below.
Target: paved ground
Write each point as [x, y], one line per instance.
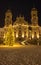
[28, 55]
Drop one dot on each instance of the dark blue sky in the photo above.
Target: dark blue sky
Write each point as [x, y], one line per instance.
[18, 7]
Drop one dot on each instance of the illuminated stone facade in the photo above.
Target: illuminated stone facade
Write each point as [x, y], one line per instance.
[34, 20]
[22, 30]
[8, 18]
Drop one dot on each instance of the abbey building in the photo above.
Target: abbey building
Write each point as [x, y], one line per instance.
[22, 30]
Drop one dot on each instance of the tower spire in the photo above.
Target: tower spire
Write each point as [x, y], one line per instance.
[8, 17]
[34, 16]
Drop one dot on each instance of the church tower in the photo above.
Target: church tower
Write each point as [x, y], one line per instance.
[8, 18]
[34, 16]
[34, 20]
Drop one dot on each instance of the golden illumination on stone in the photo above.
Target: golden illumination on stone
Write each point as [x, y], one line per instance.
[14, 46]
[32, 35]
[16, 35]
[23, 34]
[38, 36]
[20, 30]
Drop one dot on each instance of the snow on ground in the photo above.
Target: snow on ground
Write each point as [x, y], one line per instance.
[27, 55]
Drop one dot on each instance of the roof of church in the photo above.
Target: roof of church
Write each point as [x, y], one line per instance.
[20, 20]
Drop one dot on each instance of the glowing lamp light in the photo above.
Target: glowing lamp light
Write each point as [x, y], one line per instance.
[16, 45]
[23, 35]
[37, 36]
[33, 36]
[16, 35]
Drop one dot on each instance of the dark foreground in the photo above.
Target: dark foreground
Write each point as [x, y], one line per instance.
[28, 55]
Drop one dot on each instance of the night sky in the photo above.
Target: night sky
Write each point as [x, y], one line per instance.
[18, 7]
